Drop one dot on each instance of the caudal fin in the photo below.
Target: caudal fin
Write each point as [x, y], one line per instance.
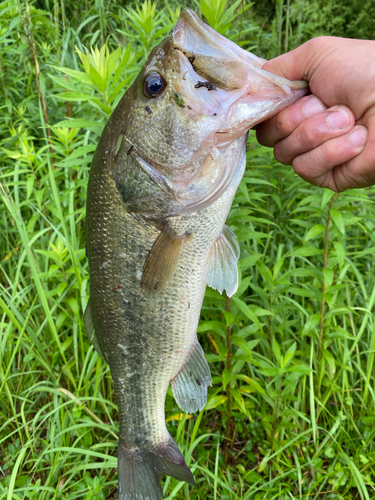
[140, 470]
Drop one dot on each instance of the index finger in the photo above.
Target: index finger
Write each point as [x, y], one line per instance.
[284, 123]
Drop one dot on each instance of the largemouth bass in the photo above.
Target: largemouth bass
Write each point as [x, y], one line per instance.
[161, 185]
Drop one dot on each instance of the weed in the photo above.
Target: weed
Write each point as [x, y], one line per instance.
[291, 411]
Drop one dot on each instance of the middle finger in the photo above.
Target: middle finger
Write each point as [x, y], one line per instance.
[313, 132]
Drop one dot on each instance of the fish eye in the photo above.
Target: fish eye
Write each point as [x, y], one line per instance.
[154, 85]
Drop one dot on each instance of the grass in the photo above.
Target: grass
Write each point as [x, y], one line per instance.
[291, 411]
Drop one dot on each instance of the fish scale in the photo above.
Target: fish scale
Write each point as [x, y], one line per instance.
[160, 189]
[141, 323]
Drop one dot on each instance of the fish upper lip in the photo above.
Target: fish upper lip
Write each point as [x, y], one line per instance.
[189, 29]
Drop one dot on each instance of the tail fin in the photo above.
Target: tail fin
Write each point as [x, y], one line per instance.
[140, 470]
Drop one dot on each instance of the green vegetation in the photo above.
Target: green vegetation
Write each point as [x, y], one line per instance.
[291, 411]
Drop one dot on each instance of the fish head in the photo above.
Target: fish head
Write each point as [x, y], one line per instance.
[189, 110]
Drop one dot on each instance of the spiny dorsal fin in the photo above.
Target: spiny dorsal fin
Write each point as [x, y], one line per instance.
[190, 385]
[162, 261]
[89, 325]
[222, 266]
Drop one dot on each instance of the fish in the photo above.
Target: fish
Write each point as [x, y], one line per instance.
[161, 185]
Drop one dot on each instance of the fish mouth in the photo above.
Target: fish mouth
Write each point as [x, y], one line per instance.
[220, 80]
[224, 65]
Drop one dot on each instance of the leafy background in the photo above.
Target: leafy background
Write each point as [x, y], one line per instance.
[291, 411]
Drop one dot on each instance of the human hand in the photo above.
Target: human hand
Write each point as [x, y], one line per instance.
[328, 137]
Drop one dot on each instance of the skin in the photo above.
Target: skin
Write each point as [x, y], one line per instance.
[329, 136]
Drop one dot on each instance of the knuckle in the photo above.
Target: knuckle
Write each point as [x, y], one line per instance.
[278, 125]
[280, 153]
[326, 154]
[307, 136]
[298, 167]
[263, 135]
[319, 41]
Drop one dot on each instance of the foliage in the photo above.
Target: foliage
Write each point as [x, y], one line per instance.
[351, 19]
[221, 16]
[291, 410]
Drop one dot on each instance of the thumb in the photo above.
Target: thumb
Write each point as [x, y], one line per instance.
[293, 65]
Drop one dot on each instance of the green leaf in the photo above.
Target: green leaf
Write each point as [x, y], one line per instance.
[116, 91]
[77, 75]
[338, 220]
[215, 401]
[256, 387]
[239, 400]
[62, 82]
[97, 79]
[78, 123]
[122, 65]
[210, 325]
[229, 317]
[330, 360]
[328, 277]
[326, 198]
[269, 372]
[244, 284]
[289, 354]
[249, 261]
[74, 305]
[313, 292]
[340, 253]
[73, 96]
[300, 368]
[306, 252]
[245, 309]
[81, 151]
[226, 376]
[314, 231]
[112, 61]
[30, 185]
[279, 264]
[277, 352]
[246, 346]
[311, 323]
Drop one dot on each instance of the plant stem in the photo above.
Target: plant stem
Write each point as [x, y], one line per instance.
[228, 443]
[324, 281]
[5, 90]
[68, 108]
[34, 58]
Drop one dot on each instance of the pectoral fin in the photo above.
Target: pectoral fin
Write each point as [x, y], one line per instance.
[161, 264]
[89, 325]
[190, 386]
[222, 266]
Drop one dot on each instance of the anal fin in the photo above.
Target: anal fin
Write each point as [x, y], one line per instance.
[89, 325]
[222, 266]
[162, 261]
[190, 385]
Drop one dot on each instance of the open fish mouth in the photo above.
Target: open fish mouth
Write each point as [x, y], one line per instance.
[226, 74]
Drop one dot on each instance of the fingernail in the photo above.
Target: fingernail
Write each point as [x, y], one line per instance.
[358, 137]
[338, 119]
[312, 107]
